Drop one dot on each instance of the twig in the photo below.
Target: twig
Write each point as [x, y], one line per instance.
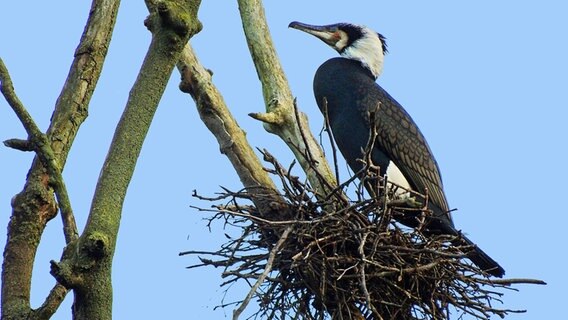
[512, 281]
[363, 280]
[327, 126]
[42, 147]
[261, 278]
[310, 159]
[259, 219]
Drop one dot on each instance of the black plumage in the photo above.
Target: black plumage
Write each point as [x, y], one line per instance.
[351, 95]
[348, 87]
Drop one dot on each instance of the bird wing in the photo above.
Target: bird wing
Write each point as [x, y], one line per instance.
[401, 140]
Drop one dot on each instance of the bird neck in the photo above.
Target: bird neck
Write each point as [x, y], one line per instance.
[368, 51]
[360, 66]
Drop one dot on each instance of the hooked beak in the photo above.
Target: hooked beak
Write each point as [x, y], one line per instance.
[328, 34]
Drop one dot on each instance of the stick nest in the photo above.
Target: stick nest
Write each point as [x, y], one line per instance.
[342, 259]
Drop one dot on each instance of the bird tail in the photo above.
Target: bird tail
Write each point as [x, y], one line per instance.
[482, 259]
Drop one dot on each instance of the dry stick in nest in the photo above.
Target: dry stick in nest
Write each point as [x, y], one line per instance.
[264, 274]
[327, 128]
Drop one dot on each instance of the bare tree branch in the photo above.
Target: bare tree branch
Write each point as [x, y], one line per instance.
[43, 149]
[87, 269]
[196, 80]
[51, 303]
[19, 144]
[34, 206]
[280, 117]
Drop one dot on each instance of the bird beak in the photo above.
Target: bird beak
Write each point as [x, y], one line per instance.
[329, 34]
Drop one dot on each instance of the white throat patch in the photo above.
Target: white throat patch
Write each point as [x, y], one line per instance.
[369, 50]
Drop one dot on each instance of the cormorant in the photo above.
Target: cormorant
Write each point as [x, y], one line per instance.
[347, 84]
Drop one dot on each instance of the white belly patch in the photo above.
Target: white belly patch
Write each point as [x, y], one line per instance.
[395, 176]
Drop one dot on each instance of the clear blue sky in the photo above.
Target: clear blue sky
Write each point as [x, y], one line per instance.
[485, 81]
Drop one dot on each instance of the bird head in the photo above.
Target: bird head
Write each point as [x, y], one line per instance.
[352, 42]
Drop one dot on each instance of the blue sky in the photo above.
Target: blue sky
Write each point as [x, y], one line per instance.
[484, 80]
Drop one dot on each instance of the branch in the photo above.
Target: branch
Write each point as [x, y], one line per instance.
[19, 144]
[280, 117]
[197, 81]
[34, 206]
[43, 149]
[71, 107]
[88, 269]
[51, 304]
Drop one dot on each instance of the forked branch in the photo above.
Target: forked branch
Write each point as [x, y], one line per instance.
[39, 142]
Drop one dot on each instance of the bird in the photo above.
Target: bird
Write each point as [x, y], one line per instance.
[347, 93]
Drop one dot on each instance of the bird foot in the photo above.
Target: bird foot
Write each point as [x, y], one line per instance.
[405, 202]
